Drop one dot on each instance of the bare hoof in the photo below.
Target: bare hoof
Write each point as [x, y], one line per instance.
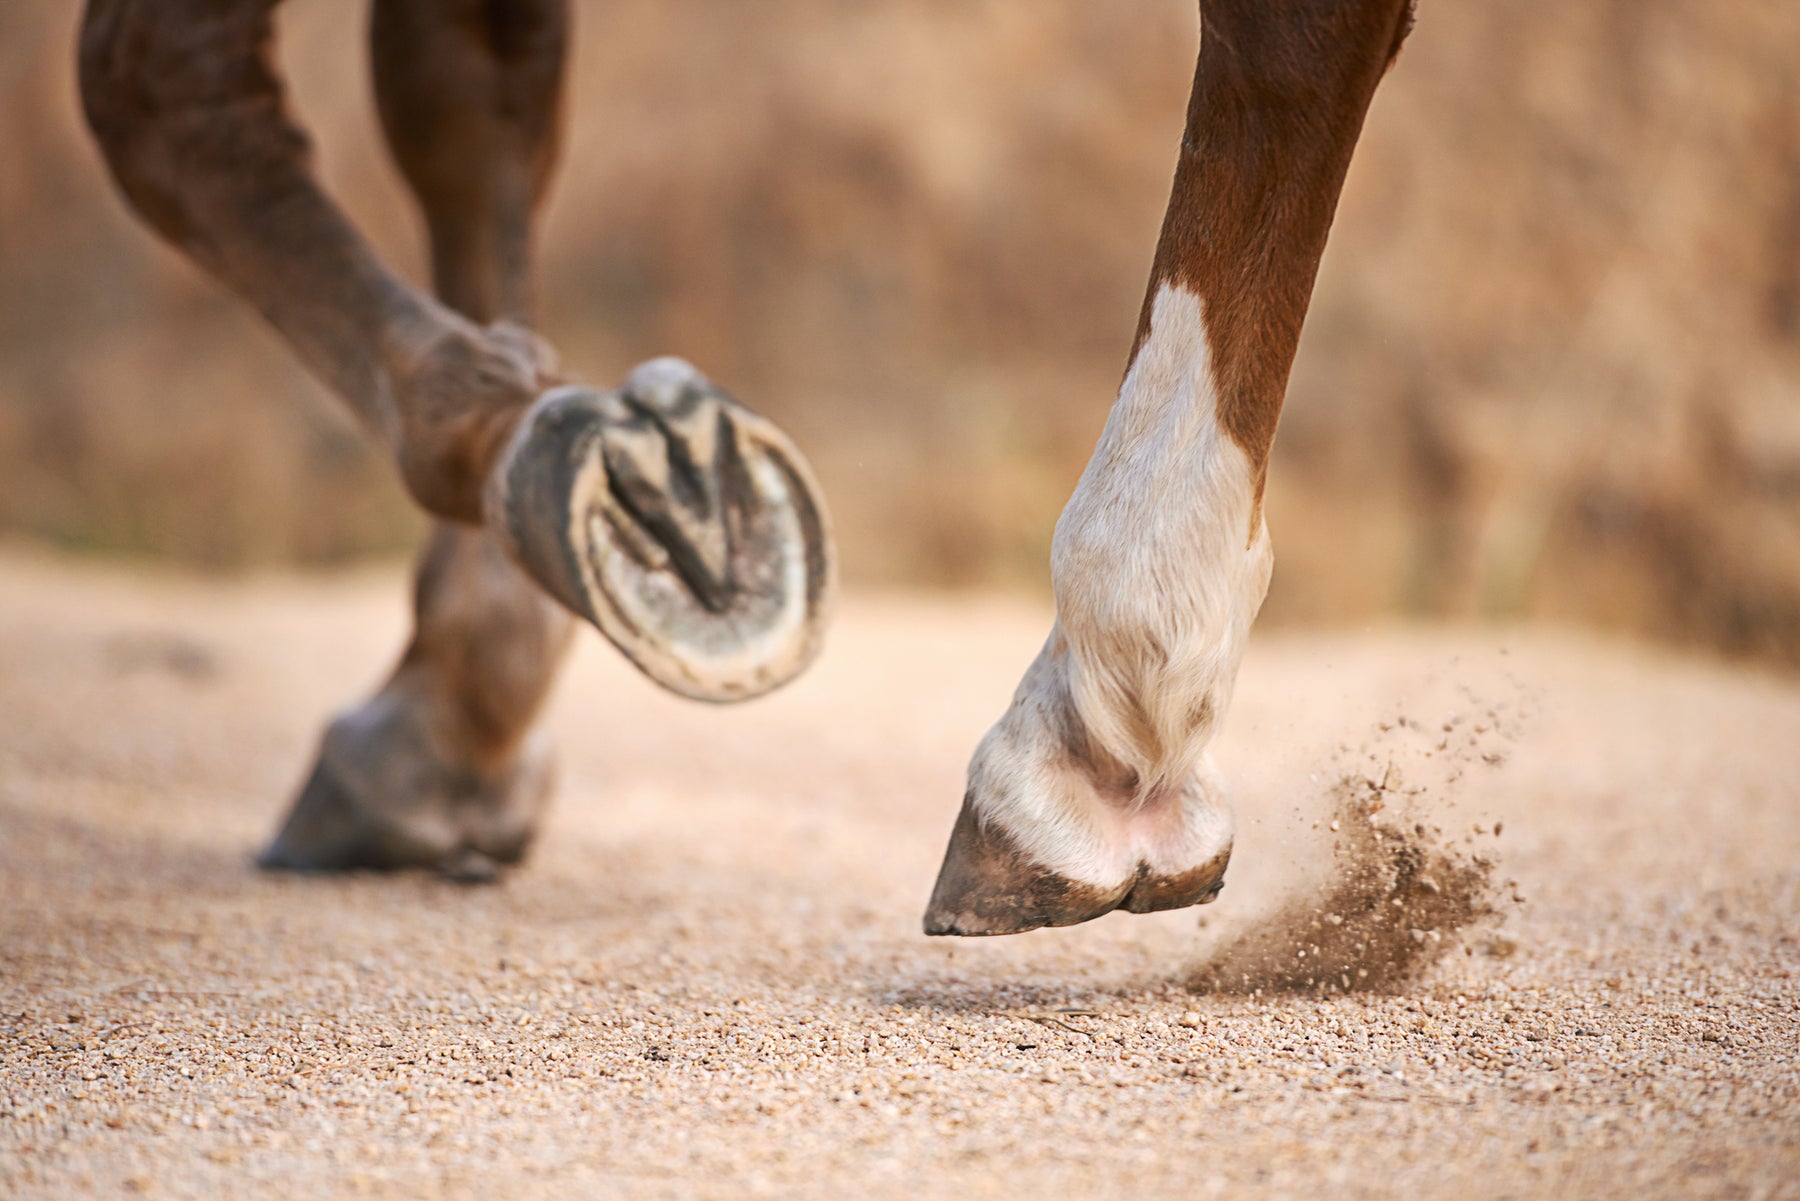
[988, 885]
[380, 798]
[685, 527]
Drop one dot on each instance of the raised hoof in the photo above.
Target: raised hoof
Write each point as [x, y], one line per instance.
[379, 799]
[987, 886]
[688, 529]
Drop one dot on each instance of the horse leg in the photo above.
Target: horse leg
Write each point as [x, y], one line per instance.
[443, 766]
[685, 528]
[1095, 791]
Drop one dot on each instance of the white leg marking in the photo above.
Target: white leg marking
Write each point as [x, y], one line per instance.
[1100, 764]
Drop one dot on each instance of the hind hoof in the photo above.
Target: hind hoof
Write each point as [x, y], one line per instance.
[379, 798]
[688, 529]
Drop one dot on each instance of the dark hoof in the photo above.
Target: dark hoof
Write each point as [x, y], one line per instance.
[988, 886]
[1202, 886]
[470, 867]
[685, 527]
[379, 799]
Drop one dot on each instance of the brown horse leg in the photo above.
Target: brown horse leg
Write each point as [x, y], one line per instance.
[185, 102]
[685, 528]
[442, 767]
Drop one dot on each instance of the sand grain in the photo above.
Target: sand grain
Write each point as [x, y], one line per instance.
[709, 981]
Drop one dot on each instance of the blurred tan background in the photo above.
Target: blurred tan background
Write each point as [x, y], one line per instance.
[1552, 368]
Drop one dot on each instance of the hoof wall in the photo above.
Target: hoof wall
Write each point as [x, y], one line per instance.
[988, 886]
[378, 800]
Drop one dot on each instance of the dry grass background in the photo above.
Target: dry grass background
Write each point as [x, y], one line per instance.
[1551, 369]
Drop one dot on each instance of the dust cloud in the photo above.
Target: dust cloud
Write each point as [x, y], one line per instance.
[1399, 892]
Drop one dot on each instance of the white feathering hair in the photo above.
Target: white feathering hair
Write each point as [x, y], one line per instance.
[1157, 570]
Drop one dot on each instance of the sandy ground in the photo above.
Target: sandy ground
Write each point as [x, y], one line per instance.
[709, 980]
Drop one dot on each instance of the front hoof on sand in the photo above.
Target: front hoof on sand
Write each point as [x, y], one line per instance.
[378, 799]
[987, 885]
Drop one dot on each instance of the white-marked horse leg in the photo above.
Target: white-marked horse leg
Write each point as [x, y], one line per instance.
[1094, 791]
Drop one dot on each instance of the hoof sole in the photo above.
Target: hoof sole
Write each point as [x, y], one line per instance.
[689, 530]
